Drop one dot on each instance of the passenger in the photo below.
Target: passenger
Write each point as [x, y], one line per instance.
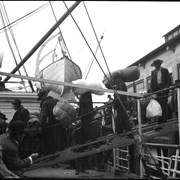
[53, 137]
[10, 155]
[122, 122]
[21, 114]
[3, 123]
[89, 131]
[160, 79]
[4, 172]
[107, 127]
[33, 130]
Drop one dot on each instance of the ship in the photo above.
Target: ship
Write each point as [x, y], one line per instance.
[59, 82]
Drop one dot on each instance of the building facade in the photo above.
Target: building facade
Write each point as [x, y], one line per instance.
[169, 52]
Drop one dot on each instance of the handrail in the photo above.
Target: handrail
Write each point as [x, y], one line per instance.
[70, 84]
[163, 145]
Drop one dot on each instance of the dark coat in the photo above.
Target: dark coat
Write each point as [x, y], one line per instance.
[89, 130]
[162, 96]
[53, 137]
[11, 156]
[86, 107]
[122, 122]
[166, 81]
[21, 114]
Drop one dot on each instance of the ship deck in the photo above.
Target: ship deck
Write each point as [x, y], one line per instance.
[63, 172]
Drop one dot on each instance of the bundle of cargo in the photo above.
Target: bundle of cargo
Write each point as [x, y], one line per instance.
[64, 112]
[128, 74]
[92, 84]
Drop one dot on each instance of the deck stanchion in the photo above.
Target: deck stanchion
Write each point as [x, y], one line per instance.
[114, 149]
[140, 132]
[178, 104]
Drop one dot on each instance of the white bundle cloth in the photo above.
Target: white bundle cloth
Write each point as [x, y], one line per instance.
[92, 84]
[153, 109]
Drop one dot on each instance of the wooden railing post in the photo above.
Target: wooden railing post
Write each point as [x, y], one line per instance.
[178, 104]
[140, 132]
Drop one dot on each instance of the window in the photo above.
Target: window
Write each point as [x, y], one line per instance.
[139, 86]
[130, 88]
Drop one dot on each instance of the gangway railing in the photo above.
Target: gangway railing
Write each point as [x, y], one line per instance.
[169, 165]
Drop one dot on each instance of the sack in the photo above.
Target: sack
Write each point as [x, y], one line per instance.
[153, 109]
[128, 74]
[64, 112]
[92, 84]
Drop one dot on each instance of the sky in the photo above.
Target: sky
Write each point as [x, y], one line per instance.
[131, 30]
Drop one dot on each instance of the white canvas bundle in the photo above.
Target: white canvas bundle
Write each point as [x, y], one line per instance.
[153, 109]
[81, 91]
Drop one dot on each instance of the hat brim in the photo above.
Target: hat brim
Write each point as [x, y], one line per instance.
[157, 62]
[16, 104]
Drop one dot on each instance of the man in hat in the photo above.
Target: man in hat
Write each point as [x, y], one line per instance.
[160, 79]
[10, 145]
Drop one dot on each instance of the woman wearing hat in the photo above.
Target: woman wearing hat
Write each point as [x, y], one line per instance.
[160, 79]
[23, 115]
[21, 112]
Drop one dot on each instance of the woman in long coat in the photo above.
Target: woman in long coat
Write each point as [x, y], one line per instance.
[53, 136]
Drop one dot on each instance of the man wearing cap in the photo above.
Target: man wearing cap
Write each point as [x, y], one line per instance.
[10, 149]
[160, 79]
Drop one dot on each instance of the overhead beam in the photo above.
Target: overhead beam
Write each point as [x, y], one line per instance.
[71, 84]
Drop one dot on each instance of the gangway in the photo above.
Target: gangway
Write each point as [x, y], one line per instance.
[103, 144]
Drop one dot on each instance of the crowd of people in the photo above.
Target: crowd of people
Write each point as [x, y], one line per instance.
[32, 135]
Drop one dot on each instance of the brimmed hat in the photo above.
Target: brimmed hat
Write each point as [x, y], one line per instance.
[42, 93]
[17, 127]
[16, 102]
[157, 61]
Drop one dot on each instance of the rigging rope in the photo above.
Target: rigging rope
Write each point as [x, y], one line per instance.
[142, 158]
[23, 17]
[13, 37]
[93, 58]
[62, 40]
[2, 12]
[63, 52]
[89, 46]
